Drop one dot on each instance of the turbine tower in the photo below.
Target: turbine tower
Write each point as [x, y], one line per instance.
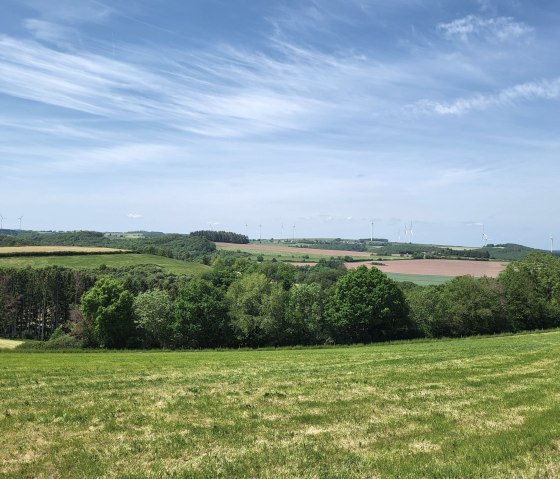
[20, 218]
[281, 231]
[293, 233]
[411, 232]
[484, 237]
[246, 230]
[2, 222]
[372, 231]
[260, 232]
[405, 232]
[551, 243]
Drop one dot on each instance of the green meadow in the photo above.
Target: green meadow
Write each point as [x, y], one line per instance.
[420, 279]
[468, 408]
[111, 260]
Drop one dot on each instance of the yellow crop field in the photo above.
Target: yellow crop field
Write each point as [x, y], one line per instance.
[54, 249]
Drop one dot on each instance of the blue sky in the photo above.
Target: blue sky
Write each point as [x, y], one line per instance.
[177, 115]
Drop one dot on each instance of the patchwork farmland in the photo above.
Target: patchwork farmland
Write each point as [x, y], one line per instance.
[399, 268]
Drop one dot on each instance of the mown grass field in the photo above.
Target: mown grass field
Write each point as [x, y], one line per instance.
[421, 279]
[112, 260]
[467, 408]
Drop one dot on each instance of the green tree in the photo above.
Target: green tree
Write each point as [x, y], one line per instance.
[153, 314]
[257, 310]
[305, 314]
[367, 306]
[109, 307]
[532, 291]
[201, 316]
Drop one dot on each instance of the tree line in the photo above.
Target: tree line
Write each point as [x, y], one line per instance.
[222, 236]
[243, 303]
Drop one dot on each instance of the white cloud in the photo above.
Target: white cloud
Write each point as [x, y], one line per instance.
[546, 89]
[134, 216]
[497, 28]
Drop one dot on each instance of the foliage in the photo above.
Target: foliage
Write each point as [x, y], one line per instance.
[201, 317]
[256, 309]
[222, 236]
[108, 306]
[152, 312]
[367, 306]
[306, 304]
[532, 291]
[462, 307]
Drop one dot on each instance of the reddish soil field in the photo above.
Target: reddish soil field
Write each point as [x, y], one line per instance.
[439, 267]
[292, 249]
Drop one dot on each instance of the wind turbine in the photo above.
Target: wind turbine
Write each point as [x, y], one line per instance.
[372, 231]
[551, 243]
[260, 232]
[484, 237]
[20, 218]
[281, 231]
[405, 232]
[411, 232]
[246, 230]
[293, 233]
[2, 222]
[398, 236]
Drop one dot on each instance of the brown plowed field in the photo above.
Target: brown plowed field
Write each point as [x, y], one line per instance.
[439, 267]
[292, 249]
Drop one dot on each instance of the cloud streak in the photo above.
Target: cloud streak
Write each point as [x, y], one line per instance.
[546, 89]
[473, 26]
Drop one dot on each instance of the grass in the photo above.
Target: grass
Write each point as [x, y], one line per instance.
[486, 407]
[9, 343]
[421, 279]
[111, 260]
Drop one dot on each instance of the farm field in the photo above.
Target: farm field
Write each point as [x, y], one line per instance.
[420, 279]
[300, 256]
[440, 267]
[112, 260]
[290, 251]
[484, 407]
[9, 343]
[55, 249]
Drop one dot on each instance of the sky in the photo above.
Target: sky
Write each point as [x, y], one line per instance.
[181, 115]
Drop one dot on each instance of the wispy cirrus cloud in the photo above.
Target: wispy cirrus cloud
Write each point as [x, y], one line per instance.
[493, 28]
[546, 89]
[220, 92]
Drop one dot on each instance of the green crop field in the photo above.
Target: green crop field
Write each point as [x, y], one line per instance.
[421, 279]
[486, 407]
[111, 260]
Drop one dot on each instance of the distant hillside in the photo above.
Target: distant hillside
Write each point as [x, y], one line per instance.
[508, 251]
[176, 246]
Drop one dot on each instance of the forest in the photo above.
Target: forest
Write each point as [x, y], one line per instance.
[244, 303]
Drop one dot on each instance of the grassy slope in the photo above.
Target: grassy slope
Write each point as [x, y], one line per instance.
[463, 408]
[111, 260]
